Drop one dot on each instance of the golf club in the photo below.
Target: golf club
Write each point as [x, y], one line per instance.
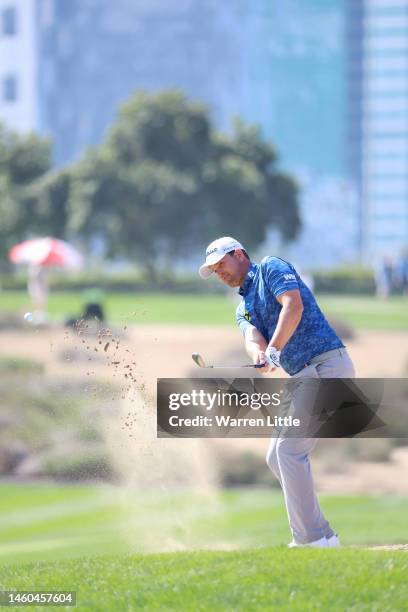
[196, 357]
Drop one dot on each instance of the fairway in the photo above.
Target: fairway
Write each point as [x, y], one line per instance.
[39, 522]
[363, 312]
[89, 539]
[138, 308]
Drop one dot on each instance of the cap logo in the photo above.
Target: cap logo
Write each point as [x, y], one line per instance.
[223, 248]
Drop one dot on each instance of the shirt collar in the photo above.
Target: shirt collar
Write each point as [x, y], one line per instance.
[243, 290]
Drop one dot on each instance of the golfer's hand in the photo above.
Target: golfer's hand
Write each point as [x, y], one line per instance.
[260, 358]
[271, 359]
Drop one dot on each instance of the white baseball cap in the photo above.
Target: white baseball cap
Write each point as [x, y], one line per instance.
[216, 251]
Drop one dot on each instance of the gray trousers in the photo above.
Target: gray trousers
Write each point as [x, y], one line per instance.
[288, 458]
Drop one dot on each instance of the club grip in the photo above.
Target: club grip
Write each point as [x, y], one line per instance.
[259, 365]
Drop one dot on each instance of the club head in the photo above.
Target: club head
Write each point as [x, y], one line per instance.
[196, 357]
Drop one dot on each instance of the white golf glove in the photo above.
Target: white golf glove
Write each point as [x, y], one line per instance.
[272, 357]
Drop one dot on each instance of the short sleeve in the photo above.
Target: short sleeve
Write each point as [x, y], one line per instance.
[279, 275]
[243, 323]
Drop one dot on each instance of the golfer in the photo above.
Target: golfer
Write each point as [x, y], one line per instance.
[284, 327]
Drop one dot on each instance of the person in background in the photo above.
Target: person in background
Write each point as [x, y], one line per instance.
[384, 277]
[401, 272]
[38, 291]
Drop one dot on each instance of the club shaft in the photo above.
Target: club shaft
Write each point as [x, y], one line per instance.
[249, 365]
[201, 363]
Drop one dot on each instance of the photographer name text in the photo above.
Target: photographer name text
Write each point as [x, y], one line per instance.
[228, 421]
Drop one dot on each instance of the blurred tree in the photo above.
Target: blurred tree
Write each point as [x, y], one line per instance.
[23, 158]
[48, 199]
[163, 183]
[272, 199]
[284, 214]
[164, 127]
[137, 209]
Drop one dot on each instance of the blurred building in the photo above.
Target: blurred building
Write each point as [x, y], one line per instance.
[377, 36]
[18, 65]
[293, 80]
[329, 230]
[295, 88]
[66, 65]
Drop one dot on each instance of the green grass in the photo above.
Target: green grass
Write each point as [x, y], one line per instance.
[368, 312]
[89, 539]
[39, 522]
[361, 312]
[138, 308]
[262, 579]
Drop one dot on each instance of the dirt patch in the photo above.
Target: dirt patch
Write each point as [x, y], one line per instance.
[380, 354]
[163, 351]
[391, 547]
[141, 354]
[366, 477]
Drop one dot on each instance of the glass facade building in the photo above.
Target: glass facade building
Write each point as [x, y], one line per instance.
[18, 65]
[378, 122]
[278, 66]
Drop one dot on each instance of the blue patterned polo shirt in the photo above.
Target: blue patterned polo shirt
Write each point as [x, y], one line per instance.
[259, 307]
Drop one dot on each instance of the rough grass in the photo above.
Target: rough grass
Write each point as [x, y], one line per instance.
[362, 312]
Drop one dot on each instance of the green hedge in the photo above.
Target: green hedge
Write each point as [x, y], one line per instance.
[96, 466]
[245, 469]
[20, 365]
[341, 280]
[359, 281]
[116, 284]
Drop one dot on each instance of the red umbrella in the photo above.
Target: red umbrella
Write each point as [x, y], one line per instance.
[46, 252]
